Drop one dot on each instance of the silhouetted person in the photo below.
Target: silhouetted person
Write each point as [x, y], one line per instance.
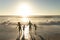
[19, 26]
[30, 24]
[35, 26]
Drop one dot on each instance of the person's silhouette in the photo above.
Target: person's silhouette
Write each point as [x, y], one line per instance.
[19, 26]
[35, 26]
[30, 24]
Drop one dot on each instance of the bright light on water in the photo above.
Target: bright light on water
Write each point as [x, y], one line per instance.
[26, 32]
[24, 20]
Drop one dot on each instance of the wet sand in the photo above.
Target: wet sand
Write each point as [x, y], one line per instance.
[48, 32]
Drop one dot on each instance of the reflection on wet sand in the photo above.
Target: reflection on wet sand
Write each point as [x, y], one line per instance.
[28, 32]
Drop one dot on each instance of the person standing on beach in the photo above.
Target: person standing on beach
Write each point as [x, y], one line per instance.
[35, 26]
[19, 26]
[30, 24]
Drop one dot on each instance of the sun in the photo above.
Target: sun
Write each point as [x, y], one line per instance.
[24, 10]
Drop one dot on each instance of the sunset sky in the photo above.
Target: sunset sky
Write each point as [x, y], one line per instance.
[37, 7]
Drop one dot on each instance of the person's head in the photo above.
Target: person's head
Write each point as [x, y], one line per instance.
[29, 21]
[18, 22]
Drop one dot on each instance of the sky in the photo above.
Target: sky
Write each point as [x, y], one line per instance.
[39, 7]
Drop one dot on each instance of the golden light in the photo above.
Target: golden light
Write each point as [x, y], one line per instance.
[26, 32]
[24, 20]
[24, 10]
